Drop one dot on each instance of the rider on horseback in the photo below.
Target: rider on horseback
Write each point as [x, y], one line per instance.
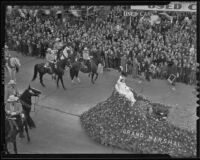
[50, 57]
[86, 57]
[12, 109]
[58, 44]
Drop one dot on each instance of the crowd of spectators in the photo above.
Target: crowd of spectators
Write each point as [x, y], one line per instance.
[156, 50]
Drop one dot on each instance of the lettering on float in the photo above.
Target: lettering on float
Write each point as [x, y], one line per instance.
[149, 138]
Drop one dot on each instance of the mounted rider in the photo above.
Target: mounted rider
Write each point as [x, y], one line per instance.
[86, 57]
[67, 52]
[51, 59]
[57, 47]
[13, 109]
[58, 44]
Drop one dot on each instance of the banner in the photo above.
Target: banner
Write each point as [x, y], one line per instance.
[130, 13]
[175, 6]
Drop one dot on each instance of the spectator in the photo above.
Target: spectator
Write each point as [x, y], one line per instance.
[160, 42]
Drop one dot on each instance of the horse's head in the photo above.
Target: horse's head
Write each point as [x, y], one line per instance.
[32, 92]
[81, 61]
[67, 62]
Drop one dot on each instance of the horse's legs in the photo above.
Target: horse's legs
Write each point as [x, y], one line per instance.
[77, 78]
[15, 146]
[72, 73]
[72, 78]
[96, 76]
[41, 80]
[58, 81]
[61, 78]
[92, 78]
[29, 120]
[26, 129]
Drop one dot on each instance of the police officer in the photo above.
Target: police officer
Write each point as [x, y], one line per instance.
[11, 89]
[86, 57]
[12, 108]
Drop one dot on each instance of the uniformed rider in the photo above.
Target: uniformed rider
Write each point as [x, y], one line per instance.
[51, 59]
[11, 89]
[12, 108]
[66, 53]
[86, 57]
[58, 44]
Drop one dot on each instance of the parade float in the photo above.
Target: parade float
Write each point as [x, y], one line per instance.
[132, 122]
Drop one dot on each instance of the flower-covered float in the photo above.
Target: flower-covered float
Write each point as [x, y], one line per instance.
[130, 121]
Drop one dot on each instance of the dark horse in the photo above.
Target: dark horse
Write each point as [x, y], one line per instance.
[90, 68]
[11, 131]
[25, 99]
[57, 68]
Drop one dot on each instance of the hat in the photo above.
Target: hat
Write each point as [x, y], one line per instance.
[11, 82]
[85, 48]
[57, 39]
[12, 98]
[49, 49]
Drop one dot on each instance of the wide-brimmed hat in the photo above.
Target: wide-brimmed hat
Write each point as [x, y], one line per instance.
[6, 47]
[12, 98]
[86, 48]
[11, 82]
[49, 49]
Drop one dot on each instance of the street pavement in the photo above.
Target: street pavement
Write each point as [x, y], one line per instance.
[57, 111]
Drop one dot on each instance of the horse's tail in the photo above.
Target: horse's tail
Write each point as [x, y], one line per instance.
[35, 73]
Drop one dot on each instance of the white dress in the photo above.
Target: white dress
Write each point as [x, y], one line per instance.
[123, 89]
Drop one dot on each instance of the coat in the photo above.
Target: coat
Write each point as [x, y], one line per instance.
[11, 91]
[13, 107]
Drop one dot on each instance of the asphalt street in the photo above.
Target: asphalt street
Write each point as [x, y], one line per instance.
[57, 111]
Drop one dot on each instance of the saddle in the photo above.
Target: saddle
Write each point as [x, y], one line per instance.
[13, 125]
[50, 66]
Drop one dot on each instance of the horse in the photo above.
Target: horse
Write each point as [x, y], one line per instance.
[25, 100]
[57, 68]
[90, 68]
[12, 66]
[11, 131]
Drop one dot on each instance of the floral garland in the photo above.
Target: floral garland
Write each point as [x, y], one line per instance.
[116, 122]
